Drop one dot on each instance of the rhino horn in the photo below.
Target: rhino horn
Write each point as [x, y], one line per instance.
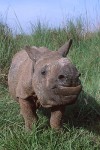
[65, 48]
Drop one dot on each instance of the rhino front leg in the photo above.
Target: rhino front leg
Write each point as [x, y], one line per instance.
[28, 111]
[57, 113]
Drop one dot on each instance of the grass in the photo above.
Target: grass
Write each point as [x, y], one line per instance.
[82, 120]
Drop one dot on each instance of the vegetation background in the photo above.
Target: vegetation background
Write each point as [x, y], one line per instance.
[82, 120]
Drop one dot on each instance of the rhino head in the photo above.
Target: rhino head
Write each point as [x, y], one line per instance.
[55, 79]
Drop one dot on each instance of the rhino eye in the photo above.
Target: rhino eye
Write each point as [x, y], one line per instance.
[43, 71]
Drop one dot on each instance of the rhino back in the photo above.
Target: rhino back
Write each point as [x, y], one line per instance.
[20, 66]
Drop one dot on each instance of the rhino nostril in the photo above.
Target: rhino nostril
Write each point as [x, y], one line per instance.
[61, 77]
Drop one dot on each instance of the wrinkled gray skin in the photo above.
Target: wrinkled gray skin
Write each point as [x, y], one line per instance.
[40, 77]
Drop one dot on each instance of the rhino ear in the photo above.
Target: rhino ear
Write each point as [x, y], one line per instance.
[65, 48]
[33, 53]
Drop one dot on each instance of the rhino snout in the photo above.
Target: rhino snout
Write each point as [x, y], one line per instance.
[68, 95]
[67, 91]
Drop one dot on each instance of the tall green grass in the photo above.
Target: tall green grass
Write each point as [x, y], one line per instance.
[82, 120]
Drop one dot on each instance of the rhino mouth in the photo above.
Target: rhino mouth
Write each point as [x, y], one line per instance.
[68, 95]
[67, 91]
[64, 95]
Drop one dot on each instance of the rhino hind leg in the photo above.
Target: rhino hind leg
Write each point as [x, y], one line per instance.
[28, 111]
[57, 116]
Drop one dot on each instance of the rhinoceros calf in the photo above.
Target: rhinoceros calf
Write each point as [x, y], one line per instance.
[40, 77]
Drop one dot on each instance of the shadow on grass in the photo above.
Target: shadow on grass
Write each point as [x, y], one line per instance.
[85, 113]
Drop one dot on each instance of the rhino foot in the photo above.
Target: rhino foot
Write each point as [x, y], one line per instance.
[28, 111]
[57, 113]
